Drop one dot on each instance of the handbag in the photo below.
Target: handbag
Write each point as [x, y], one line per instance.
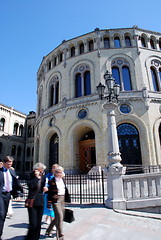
[68, 215]
[29, 202]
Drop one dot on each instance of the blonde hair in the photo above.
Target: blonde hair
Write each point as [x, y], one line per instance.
[59, 169]
[39, 166]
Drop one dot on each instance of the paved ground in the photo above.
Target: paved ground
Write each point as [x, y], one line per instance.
[94, 222]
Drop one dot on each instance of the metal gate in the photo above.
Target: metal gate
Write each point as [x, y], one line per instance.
[89, 188]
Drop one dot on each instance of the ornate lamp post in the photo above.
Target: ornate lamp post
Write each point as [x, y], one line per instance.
[115, 170]
[112, 93]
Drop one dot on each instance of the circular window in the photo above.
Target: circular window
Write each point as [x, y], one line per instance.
[124, 108]
[82, 113]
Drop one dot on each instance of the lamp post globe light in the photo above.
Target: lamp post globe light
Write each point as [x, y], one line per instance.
[111, 93]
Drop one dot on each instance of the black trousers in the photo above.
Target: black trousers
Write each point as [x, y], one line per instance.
[4, 202]
[35, 217]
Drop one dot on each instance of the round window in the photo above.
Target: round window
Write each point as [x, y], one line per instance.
[124, 108]
[82, 113]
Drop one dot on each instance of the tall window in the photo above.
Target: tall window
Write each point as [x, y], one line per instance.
[21, 130]
[29, 131]
[82, 81]
[127, 41]
[72, 51]
[152, 44]
[160, 133]
[106, 42]
[2, 123]
[154, 79]
[121, 73]
[15, 129]
[91, 45]
[143, 44]
[156, 74]
[54, 150]
[117, 43]
[116, 75]
[78, 85]
[54, 92]
[13, 153]
[129, 144]
[87, 83]
[81, 48]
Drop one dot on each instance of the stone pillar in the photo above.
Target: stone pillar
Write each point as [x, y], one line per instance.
[115, 169]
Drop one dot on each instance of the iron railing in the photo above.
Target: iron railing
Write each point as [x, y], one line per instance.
[83, 188]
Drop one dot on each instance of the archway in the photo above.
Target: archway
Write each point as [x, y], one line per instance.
[129, 144]
[87, 153]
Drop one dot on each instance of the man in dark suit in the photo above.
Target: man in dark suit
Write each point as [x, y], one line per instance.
[9, 185]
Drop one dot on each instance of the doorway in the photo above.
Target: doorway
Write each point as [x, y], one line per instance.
[87, 155]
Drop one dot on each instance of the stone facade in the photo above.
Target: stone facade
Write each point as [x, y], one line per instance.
[16, 137]
[67, 116]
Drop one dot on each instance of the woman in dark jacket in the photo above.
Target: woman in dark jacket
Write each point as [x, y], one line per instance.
[36, 186]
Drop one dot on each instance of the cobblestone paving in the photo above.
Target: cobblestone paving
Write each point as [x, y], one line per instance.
[93, 222]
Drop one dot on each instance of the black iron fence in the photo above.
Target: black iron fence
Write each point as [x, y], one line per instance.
[83, 188]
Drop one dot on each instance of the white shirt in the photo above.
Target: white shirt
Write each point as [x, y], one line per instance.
[10, 179]
[60, 186]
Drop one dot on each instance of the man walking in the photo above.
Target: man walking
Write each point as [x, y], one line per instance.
[9, 185]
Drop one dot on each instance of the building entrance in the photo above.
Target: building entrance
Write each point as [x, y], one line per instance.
[87, 155]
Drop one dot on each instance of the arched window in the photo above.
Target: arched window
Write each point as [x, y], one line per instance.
[121, 73]
[117, 43]
[1, 147]
[54, 150]
[116, 75]
[143, 44]
[127, 41]
[49, 65]
[82, 81]
[21, 130]
[78, 85]
[152, 44]
[29, 131]
[129, 144]
[60, 57]
[72, 51]
[81, 48]
[54, 92]
[2, 124]
[15, 129]
[91, 45]
[154, 79]
[106, 42]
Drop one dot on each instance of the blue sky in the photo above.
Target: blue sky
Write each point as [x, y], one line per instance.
[30, 29]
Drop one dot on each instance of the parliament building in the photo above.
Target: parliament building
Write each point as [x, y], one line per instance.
[70, 126]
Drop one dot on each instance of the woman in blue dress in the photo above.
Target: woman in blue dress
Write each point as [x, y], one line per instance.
[49, 213]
